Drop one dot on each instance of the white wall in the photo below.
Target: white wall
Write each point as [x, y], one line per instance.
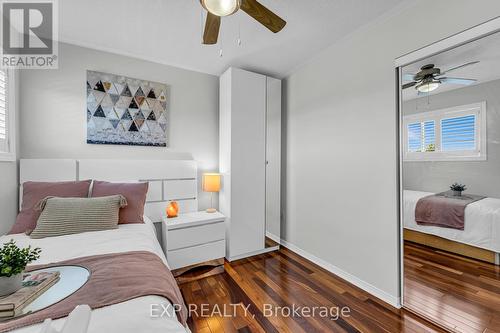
[8, 195]
[481, 177]
[53, 111]
[9, 180]
[340, 141]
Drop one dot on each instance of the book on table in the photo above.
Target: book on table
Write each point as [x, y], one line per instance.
[34, 285]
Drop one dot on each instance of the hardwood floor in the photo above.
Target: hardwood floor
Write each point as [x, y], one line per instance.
[283, 278]
[270, 242]
[461, 293]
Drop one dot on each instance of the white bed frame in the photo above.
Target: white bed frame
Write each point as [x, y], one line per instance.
[168, 179]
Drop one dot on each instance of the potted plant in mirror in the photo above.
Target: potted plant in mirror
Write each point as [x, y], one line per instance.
[457, 189]
[13, 261]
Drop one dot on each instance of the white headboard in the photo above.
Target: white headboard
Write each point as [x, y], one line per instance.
[168, 179]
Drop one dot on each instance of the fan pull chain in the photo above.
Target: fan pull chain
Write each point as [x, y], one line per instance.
[201, 25]
[221, 50]
[238, 41]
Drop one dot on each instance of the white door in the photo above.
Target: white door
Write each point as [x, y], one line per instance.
[248, 158]
[273, 159]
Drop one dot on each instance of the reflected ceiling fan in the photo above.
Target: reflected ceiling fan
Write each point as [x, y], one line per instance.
[219, 8]
[430, 78]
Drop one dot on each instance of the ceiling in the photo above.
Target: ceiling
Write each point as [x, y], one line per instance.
[486, 50]
[169, 31]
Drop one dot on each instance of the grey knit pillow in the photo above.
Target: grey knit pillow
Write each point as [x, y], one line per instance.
[65, 216]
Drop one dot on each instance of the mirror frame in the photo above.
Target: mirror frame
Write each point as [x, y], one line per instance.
[477, 32]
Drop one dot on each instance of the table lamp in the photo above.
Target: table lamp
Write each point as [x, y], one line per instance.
[211, 183]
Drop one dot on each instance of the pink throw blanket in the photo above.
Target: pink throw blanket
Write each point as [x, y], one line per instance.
[444, 210]
[114, 278]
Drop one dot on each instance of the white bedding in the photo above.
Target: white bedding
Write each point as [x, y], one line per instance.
[128, 317]
[482, 222]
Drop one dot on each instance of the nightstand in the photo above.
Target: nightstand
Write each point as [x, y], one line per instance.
[192, 241]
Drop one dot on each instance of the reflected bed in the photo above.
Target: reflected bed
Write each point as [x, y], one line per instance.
[482, 222]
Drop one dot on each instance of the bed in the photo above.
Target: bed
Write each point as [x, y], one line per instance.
[482, 223]
[128, 317]
[168, 180]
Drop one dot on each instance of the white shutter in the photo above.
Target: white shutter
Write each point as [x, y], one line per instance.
[3, 111]
[453, 134]
[458, 133]
[422, 136]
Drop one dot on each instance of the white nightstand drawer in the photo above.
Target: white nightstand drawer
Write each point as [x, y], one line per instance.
[192, 236]
[196, 254]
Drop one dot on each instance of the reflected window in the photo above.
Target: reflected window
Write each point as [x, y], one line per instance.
[454, 134]
[422, 136]
[458, 133]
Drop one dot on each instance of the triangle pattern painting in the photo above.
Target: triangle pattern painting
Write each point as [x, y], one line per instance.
[152, 116]
[133, 128]
[119, 112]
[126, 116]
[133, 88]
[125, 111]
[126, 92]
[139, 99]
[114, 98]
[152, 94]
[107, 86]
[99, 87]
[139, 93]
[133, 105]
[99, 112]
[114, 122]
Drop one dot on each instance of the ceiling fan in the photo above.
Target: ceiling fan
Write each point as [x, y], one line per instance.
[430, 78]
[219, 8]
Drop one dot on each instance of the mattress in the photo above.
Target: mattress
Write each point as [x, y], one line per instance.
[128, 317]
[482, 222]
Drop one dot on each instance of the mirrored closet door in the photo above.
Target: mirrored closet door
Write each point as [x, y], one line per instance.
[450, 141]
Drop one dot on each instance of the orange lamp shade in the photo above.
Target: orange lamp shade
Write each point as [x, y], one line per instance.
[172, 209]
[211, 182]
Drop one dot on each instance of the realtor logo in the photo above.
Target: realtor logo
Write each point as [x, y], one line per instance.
[29, 34]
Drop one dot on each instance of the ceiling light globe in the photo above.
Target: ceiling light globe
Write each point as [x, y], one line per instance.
[221, 7]
[426, 87]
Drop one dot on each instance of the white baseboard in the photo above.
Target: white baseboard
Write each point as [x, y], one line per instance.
[386, 297]
[273, 237]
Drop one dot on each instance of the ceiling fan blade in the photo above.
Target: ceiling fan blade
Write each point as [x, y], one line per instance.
[212, 26]
[408, 77]
[456, 80]
[263, 15]
[408, 85]
[461, 66]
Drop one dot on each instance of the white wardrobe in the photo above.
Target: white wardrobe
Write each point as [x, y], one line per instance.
[250, 160]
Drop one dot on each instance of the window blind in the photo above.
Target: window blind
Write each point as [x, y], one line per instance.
[415, 137]
[422, 136]
[458, 134]
[3, 108]
[429, 136]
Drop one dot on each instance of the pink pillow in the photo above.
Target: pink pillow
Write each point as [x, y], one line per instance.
[33, 192]
[135, 193]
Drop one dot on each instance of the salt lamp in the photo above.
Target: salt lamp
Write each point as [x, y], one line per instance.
[172, 209]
